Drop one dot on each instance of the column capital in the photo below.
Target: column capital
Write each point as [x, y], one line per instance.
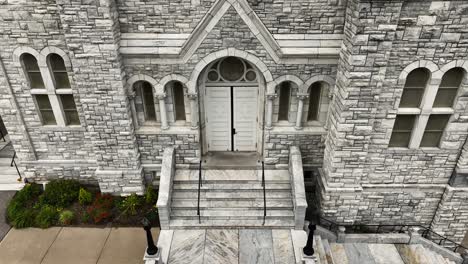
[161, 96]
[192, 96]
[302, 96]
[131, 96]
[271, 96]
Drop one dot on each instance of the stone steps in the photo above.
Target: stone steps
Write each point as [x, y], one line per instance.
[230, 199]
[230, 213]
[418, 254]
[253, 203]
[230, 223]
[227, 195]
[234, 187]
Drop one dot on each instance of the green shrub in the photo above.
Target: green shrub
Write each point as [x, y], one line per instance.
[60, 193]
[130, 204]
[24, 218]
[85, 217]
[66, 217]
[20, 213]
[46, 217]
[85, 197]
[151, 196]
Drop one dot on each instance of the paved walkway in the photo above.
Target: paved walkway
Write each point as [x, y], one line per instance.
[73, 245]
[4, 199]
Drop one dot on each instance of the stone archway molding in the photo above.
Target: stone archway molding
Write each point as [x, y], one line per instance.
[254, 60]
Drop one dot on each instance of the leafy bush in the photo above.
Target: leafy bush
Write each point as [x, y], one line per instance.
[19, 213]
[46, 217]
[100, 210]
[85, 197]
[151, 196]
[130, 204]
[24, 218]
[60, 193]
[66, 217]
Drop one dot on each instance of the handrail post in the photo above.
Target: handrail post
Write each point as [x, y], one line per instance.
[264, 192]
[13, 162]
[199, 187]
[308, 250]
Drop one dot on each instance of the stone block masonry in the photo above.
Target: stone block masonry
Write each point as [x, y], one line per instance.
[363, 180]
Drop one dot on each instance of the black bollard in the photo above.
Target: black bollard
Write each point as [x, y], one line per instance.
[309, 248]
[152, 249]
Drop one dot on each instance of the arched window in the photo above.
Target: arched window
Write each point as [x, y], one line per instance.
[414, 88]
[448, 88]
[32, 71]
[315, 94]
[179, 103]
[144, 101]
[284, 99]
[59, 72]
[416, 128]
[54, 100]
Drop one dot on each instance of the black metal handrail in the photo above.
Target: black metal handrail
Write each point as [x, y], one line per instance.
[425, 232]
[199, 187]
[13, 162]
[3, 136]
[264, 192]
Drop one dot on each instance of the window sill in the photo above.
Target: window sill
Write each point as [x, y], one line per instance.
[151, 130]
[55, 128]
[310, 130]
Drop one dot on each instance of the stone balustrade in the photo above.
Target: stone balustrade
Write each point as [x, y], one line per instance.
[297, 184]
[165, 187]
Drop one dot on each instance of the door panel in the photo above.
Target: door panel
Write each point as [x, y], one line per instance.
[218, 115]
[245, 118]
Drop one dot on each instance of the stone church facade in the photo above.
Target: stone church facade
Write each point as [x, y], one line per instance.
[374, 93]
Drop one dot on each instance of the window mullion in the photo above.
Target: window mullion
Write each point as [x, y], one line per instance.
[418, 130]
[57, 108]
[430, 94]
[47, 77]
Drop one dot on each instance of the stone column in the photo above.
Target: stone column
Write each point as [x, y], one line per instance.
[162, 109]
[300, 109]
[131, 98]
[269, 113]
[193, 110]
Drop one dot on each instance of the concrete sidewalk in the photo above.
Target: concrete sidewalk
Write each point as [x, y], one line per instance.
[74, 245]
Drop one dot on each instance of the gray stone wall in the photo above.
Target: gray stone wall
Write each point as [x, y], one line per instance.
[301, 17]
[451, 219]
[151, 147]
[161, 16]
[277, 146]
[382, 38]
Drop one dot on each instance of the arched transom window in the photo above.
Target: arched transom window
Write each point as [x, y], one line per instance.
[231, 69]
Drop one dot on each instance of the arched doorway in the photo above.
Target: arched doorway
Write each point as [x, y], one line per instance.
[231, 107]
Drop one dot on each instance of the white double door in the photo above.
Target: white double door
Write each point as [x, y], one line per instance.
[231, 118]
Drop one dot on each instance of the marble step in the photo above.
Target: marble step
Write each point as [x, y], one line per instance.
[247, 194]
[235, 187]
[5, 162]
[328, 252]
[339, 253]
[412, 254]
[228, 213]
[11, 186]
[320, 250]
[254, 203]
[230, 224]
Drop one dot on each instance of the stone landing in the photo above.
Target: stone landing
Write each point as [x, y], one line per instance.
[280, 246]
